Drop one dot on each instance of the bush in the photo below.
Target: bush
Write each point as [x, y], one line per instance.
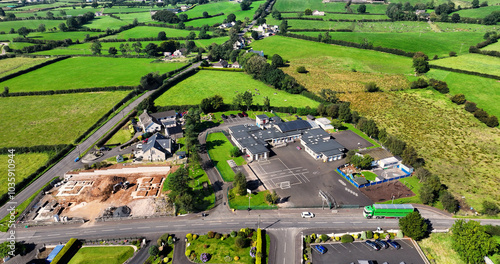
[67, 251]
[375, 236]
[324, 237]
[490, 208]
[153, 250]
[259, 249]
[371, 87]
[453, 54]
[235, 152]
[195, 236]
[346, 239]
[449, 202]
[419, 83]
[240, 242]
[470, 107]
[233, 234]
[236, 258]
[369, 234]
[492, 121]
[188, 253]
[307, 239]
[218, 236]
[301, 69]
[189, 237]
[458, 99]
[211, 234]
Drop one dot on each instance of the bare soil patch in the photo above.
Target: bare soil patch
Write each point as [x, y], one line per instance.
[384, 191]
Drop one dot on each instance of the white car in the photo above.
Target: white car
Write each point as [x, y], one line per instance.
[307, 215]
[139, 146]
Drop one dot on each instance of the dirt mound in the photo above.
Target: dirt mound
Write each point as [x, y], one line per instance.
[385, 191]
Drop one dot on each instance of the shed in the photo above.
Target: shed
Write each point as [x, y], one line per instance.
[119, 158]
[54, 253]
[388, 162]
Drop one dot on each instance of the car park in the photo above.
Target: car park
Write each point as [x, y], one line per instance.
[372, 245]
[223, 116]
[320, 249]
[394, 244]
[232, 115]
[382, 244]
[245, 114]
[307, 215]
[240, 115]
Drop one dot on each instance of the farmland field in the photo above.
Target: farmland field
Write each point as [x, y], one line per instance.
[353, 16]
[208, 83]
[494, 46]
[105, 22]
[455, 145]
[227, 8]
[59, 35]
[82, 49]
[19, 45]
[26, 164]
[103, 71]
[430, 43]
[8, 66]
[300, 6]
[104, 254]
[30, 24]
[484, 92]
[46, 124]
[472, 62]
[151, 32]
[478, 12]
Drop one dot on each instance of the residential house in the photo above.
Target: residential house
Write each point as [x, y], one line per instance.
[165, 116]
[318, 13]
[184, 8]
[149, 124]
[239, 44]
[258, 52]
[158, 148]
[98, 14]
[235, 65]
[221, 64]
[177, 53]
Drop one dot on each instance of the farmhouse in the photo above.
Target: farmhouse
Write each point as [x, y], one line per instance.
[235, 65]
[158, 148]
[221, 64]
[149, 123]
[165, 116]
[255, 140]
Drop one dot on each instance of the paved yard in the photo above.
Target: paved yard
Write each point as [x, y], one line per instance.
[352, 252]
[298, 178]
[351, 140]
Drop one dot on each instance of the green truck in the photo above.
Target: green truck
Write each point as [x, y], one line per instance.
[387, 210]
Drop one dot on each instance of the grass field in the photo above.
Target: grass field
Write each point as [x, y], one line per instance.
[208, 83]
[8, 66]
[218, 147]
[478, 12]
[46, 124]
[25, 165]
[30, 24]
[76, 72]
[494, 46]
[105, 22]
[205, 196]
[458, 148]
[484, 92]
[123, 135]
[257, 201]
[104, 254]
[220, 7]
[430, 43]
[53, 35]
[151, 32]
[300, 6]
[437, 247]
[369, 175]
[472, 62]
[354, 16]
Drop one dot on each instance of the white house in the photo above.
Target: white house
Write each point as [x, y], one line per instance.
[149, 124]
[235, 65]
[318, 13]
[177, 53]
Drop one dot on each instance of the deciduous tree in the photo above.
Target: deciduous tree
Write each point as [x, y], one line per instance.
[471, 242]
[23, 31]
[96, 47]
[413, 225]
[240, 183]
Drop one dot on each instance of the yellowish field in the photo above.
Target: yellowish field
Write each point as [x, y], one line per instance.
[438, 247]
[463, 152]
[8, 66]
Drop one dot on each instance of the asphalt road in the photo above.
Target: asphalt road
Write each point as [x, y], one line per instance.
[67, 163]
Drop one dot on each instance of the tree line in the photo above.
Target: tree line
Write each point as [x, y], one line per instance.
[7, 93]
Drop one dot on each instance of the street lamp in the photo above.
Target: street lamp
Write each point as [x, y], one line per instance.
[249, 196]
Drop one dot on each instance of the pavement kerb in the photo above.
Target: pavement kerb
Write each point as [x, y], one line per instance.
[420, 252]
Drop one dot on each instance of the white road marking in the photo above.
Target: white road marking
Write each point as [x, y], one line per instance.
[108, 230]
[143, 227]
[125, 228]
[320, 222]
[179, 225]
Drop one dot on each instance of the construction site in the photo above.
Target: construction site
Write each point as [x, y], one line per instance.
[98, 195]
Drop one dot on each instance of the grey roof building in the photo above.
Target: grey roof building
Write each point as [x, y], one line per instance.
[319, 145]
[158, 148]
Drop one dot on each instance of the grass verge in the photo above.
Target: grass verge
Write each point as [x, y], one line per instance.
[98, 255]
[218, 147]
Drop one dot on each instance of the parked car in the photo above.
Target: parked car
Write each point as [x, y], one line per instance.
[145, 140]
[320, 249]
[77, 159]
[394, 244]
[240, 115]
[372, 245]
[104, 148]
[223, 116]
[232, 115]
[139, 146]
[245, 114]
[307, 215]
[299, 148]
[382, 244]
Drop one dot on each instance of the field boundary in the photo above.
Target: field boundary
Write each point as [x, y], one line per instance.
[485, 75]
[36, 67]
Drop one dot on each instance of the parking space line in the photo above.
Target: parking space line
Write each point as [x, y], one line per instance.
[405, 243]
[334, 248]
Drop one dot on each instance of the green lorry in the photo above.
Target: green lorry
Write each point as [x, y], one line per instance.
[387, 210]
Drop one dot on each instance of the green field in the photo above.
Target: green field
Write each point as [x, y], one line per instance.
[220, 7]
[104, 254]
[430, 43]
[123, 135]
[302, 52]
[472, 62]
[208, 83]
[369, 175]
[218, 147]
[19, 45]
[300, 6]
[8, 66]
[257, 201]
[30, 24]
[438, 247]
[151, 32]
[85, 72]
[25, 165]
[52, 119]
[205, 197]
[84, 49]
[478, 12]
[106, 22]
[494, 46]
[456, 146]
[59, 35]
[484, 92]
[327, 16]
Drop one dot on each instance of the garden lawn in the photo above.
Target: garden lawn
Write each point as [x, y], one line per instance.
[484, 92]
[437, 247]
[472, 62]
[478, 12]
[430, 43]
[369, 175]
[257, 201]
[52, 119]
[104, 254]
[218, 147]
[207, 83]
[26, 164]
[8, 66]
[456, 146]
[120, 137]
[87, 72]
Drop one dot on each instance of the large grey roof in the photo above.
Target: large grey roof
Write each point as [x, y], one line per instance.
[319, 141]
[164, 114]
[293, 125]
[147, 119]
[159, 142]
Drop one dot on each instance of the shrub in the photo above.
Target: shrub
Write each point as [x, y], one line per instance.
[313, 236]
[307, 239]
[371, 87]
[490, 208]
[337, 238]
[241, 234]
[205, 246]
[252, 252]
[259, 249]
[218, 236]
[492, 121]
[419, 83]
[458, 99]
[449, 202]
[204, 257]
[189, 237]
[240, 242]
[236, 258]
[195, 236]
[153, 250]
[318, 240]
[470, 107]
[188, 253]
[369, 234]
[375, 236]
[324, 237]
[233, 234]
[301, 69]
[211, 234]
[453, 54]
[346, 239]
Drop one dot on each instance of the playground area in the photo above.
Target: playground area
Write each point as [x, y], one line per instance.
[364, 178]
